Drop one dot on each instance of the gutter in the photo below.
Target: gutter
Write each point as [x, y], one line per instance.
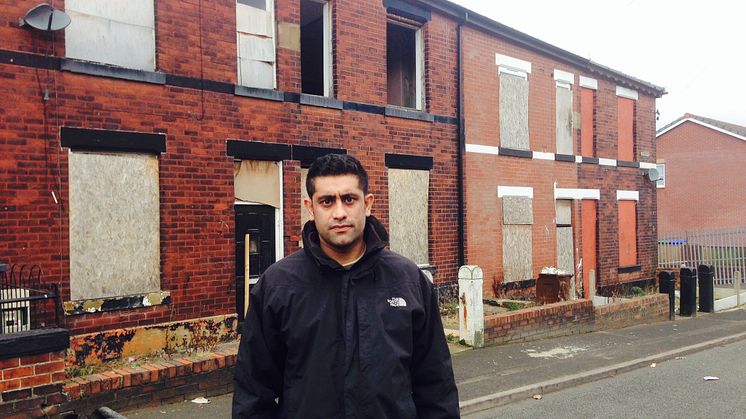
[461, 150]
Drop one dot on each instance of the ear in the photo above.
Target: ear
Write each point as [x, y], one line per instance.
[368, 203]
[309, 207]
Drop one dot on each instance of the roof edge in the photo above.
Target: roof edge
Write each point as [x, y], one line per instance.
[681, 120]
[491, 26]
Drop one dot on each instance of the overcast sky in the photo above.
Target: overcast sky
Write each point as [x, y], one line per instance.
[694, 49]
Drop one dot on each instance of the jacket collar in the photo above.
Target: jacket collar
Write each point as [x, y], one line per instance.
[374, 235]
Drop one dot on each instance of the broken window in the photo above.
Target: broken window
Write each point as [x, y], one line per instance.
[255, 33]
[315, 48]
[114, 224]
[116, 32]
[404, 65]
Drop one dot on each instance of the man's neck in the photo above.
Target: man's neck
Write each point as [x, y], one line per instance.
[344, 257]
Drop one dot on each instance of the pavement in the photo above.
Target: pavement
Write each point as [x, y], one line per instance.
[493, 376]
[490, 377]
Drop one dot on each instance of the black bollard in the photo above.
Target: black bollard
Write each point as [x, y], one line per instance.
[706, 288]
[667, 285]
[688, 300]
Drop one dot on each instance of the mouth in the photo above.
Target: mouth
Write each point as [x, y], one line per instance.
[340, 227]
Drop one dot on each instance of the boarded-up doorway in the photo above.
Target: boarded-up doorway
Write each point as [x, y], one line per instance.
[590, 276]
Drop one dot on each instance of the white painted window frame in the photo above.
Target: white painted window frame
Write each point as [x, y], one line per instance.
[273, 34]
[661, 182]
[328, 51]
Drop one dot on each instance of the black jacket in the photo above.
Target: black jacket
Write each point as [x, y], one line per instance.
[321, 341]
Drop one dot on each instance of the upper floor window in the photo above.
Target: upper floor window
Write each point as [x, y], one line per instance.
[661, 182]
[513, 101]
[563, 101]
[588, 89]
[116, 32]
[255, 34]
[316, 47]
[405, 65]
[626, 123]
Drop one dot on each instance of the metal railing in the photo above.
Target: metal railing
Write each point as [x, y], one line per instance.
[724, 249]
[25, 302]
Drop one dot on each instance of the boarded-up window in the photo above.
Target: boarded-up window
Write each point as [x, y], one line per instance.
[517, 242]
[408, 205]
[257, 182]
[627, 233]
[513, 111]
[564, 119]
[117, 32]
[587, 105]
[625, 121]
[114, 225]
[255, 32]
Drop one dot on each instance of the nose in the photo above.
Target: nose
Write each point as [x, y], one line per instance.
[338, 211]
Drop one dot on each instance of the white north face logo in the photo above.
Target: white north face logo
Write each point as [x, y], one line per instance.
[397, 302]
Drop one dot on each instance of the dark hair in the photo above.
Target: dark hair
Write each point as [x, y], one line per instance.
[335, 165]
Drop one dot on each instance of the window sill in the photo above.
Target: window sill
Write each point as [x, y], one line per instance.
[622, 163]
[320, 101]
[629, 269]
[570, 158]
[100, 305]
[515, 152]
[589, 160]
[259, 93]
[105, 70]
[408, 114]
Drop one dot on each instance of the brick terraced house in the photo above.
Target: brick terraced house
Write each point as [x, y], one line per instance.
[154, 152]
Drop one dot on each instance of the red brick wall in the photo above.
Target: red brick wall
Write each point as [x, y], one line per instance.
[705, 185]
[572, 317]
[197, 225]
[29, 383]
[485, 172]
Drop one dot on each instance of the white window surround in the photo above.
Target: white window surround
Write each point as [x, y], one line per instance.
[572, 193]
[518, 66]
[627, 195]
[526, 191]
[540, 155]
[482, 149]
[588, 83]
[644, 165]
[606, 162]
[626, 93]
[564, 76]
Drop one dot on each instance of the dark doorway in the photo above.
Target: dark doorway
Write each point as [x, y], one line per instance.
[257, 223]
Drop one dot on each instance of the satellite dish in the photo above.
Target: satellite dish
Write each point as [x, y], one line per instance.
[45, 18]
[652, 174]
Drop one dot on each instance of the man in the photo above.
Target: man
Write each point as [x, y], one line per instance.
[343, 328]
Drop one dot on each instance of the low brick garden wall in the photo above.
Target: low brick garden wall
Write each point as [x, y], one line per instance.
[572, 317]
[161, 382]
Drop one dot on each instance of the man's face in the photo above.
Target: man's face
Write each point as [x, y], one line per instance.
[338, 207]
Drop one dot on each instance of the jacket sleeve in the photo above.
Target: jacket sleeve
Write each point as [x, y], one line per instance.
[433, 386]
[259, 368]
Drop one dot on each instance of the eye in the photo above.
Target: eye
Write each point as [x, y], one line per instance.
[348, 199]
[325, 201]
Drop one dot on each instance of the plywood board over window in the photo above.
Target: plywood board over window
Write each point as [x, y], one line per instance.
[564, 119]
[565, 245]
[587, 105]
[257, 182]
[408, 205]
[517, 241]
[625, 121]
[627, 233]
[255, 33]
[114, 225]
[117, 32]
[513, 111]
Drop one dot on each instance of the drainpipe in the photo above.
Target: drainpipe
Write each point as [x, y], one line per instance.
[461, 144]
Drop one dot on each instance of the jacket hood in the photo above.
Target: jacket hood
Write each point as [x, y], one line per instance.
[375, 236]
